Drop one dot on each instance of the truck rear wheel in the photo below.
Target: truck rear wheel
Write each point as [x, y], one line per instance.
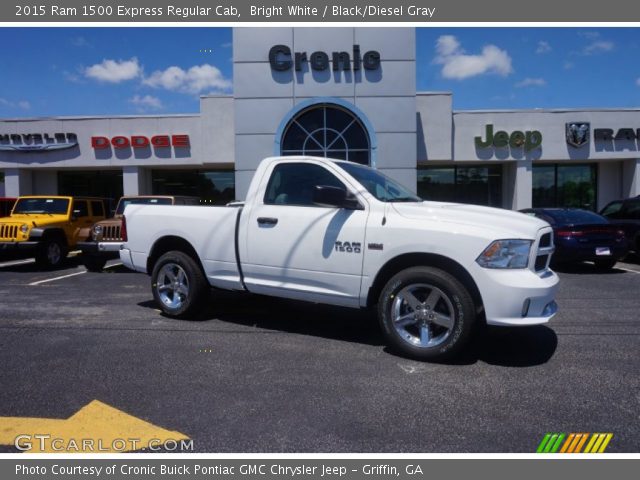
[426, 314]
[178, 284]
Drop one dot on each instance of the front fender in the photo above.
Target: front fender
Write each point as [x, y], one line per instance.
[38, 233]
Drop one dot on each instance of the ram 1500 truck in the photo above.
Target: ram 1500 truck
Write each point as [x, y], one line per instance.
[336, 232]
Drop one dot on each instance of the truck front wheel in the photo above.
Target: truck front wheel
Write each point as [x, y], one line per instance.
[178, 284]
[426, 313]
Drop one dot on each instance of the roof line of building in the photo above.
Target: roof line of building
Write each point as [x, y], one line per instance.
[96, 117]
[549, 110]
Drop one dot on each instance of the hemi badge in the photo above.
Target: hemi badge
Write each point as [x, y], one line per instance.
[375, 246]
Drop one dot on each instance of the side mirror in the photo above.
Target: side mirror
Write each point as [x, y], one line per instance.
[327, 196]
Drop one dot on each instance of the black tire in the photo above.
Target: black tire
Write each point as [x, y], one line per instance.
[442, 306]
[52, 253]
[93, 263]
[605, 264]
[174, 299]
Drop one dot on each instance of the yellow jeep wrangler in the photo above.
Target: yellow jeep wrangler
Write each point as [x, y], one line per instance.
[48, 227]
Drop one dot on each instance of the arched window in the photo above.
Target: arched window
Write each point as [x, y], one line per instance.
[327, 130]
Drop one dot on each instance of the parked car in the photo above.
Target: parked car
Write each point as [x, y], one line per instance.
[6, 204]
[581, 235]
[105, 238]
[626, 215]
[48, 227]
[341, 233]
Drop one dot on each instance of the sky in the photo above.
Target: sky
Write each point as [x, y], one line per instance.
[129, 71]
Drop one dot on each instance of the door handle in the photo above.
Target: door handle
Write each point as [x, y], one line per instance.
[267, 221]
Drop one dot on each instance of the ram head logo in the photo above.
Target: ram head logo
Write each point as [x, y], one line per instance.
[577, 133]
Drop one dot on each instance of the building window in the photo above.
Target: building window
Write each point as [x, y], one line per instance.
[327, 130]
[212, 187]
[463, 184]
[559, 185]
[91, 183]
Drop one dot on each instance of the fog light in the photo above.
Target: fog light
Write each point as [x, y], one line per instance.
[525, 307]
[550, 309]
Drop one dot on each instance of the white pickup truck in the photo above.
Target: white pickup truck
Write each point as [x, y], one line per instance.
[336, 232]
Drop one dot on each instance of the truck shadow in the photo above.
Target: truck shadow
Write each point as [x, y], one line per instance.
[585, 269]
[508, 347]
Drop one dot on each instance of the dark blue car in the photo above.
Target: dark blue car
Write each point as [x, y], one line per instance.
[625, 214]
[580, 235]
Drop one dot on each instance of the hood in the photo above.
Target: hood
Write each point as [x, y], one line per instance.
[40, 219]
[116, 220]
[505, 223]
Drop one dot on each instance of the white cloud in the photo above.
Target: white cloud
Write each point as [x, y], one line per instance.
[80, 42]
[147, 102]
[21, 104]
[197, 79]
[458, 65]
[114, 71]
[599, 46]
[638, 82]
[568, 65]
[227, 45]
[591, 35]
[531, 82]
[543, 47]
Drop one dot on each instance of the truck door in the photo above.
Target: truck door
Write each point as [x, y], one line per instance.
[297, 249]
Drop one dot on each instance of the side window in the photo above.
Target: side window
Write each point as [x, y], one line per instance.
[97, 208]
[294, 183]
[632, 210]
[612, 210]
[80, 208]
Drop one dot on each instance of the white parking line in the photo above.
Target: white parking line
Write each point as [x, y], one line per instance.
[57, 278]
[113, 265]
[13, 263]
[628, 270]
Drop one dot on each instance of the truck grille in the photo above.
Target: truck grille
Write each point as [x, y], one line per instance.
[8, 232]
[111, 233]
[544, 250]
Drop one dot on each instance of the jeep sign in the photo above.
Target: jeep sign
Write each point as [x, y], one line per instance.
[529, 140]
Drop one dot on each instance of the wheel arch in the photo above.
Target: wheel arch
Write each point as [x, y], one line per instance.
[168, 243]
[52, 232]
[407, 260]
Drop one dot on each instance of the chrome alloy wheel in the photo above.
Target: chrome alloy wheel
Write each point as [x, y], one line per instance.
[422, 315]
[54, 253]
[172, 285]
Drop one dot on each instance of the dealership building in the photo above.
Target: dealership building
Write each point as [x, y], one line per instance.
[340, 92]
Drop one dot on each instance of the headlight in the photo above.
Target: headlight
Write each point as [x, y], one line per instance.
[506, 254]
[97, 231]
[24, 228]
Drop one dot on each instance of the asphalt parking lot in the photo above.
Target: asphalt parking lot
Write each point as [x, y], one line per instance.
[255, 374]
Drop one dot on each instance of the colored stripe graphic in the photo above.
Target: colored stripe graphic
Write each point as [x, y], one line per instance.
[574, 443]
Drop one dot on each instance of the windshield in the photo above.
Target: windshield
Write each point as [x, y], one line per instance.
[379, 185]
[58, 206]
[122, 204]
